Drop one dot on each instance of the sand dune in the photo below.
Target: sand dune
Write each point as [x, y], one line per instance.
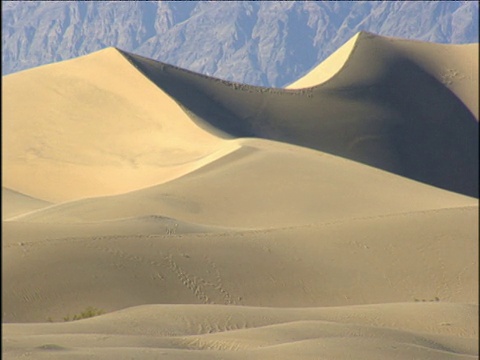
[378, 109]
[328, 68]
[455, 66]
[15, 203]
[91, 131]
[426, 259]
[419, 255]
[335, 219]
[265, 184]
[228, 332]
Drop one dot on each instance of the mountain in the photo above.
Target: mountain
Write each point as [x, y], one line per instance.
[259, 43]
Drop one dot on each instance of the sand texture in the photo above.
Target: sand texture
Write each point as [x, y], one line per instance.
[334, 219]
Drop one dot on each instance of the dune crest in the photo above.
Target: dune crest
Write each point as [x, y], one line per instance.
[375, 110]
[91, 131]
[327, 68]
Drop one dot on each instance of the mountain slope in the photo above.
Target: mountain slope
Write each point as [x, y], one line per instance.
[261, 43]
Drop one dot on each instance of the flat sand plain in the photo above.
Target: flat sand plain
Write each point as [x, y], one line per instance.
[333, 219]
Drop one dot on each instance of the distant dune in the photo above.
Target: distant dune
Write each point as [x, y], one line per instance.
[377, 109]
[15, 203]
[336, 218]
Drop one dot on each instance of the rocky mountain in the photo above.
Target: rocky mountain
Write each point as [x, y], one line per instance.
[259, 43]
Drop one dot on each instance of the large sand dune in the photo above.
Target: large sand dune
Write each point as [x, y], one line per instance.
[379, 109]
[334, 219]
[93, 126]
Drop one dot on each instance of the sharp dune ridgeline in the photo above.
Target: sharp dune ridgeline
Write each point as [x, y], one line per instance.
[203, 219]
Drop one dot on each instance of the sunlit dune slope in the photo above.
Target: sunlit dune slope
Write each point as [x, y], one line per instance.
[265, 184]
[93, 126]
[400, 331]
[420, 255]
[381, 108]
[327, 68]
[455, 66]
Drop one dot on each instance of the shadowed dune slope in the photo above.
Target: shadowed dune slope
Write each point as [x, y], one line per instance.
[265, 184]
[382, 108]
[455, 66]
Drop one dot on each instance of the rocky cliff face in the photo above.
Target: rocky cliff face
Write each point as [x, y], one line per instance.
[259, 43]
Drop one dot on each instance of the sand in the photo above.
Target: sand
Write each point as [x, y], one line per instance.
[77, 106]
[15, 203]
[334, 219]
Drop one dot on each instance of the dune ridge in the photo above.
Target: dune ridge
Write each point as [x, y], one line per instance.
[15, 203]
[381, 94]
[327, 68]
[337, 218]
[453, 71]
[83, 100]
[368, 112]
